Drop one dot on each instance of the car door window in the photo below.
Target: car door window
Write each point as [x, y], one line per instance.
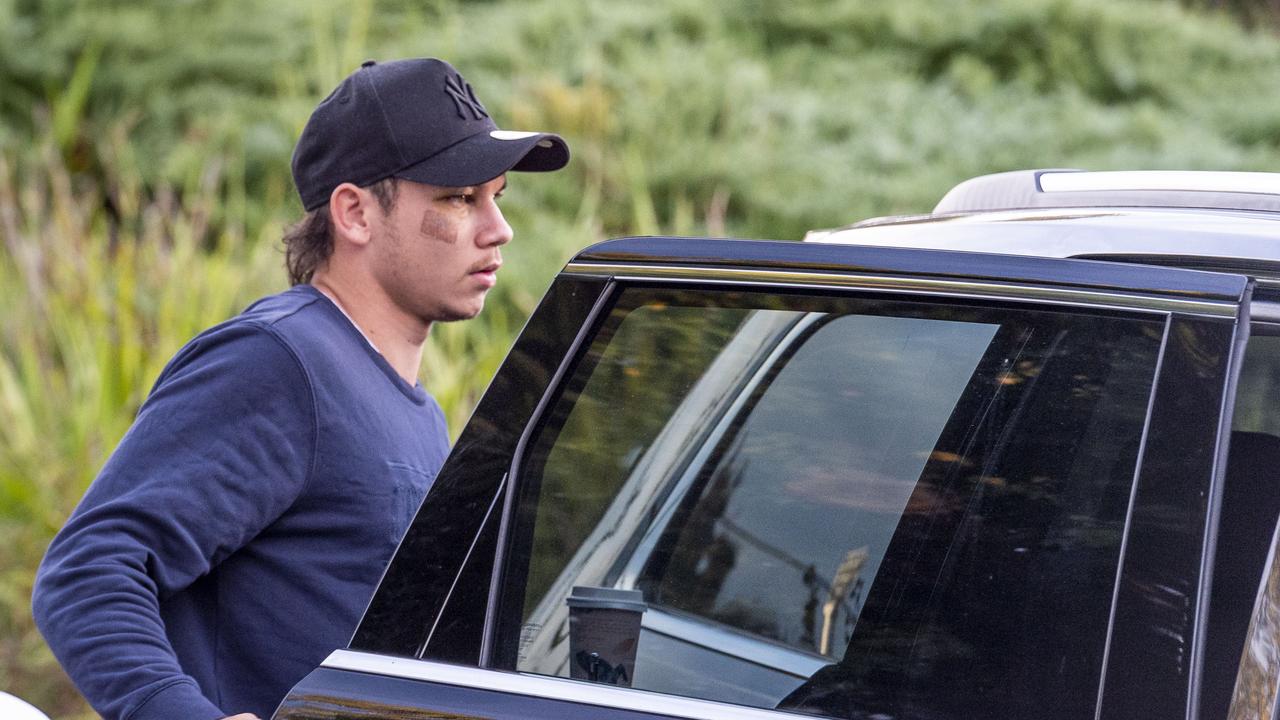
[832, 444]
[1258, 387]
[838, 505]
[1247, 515]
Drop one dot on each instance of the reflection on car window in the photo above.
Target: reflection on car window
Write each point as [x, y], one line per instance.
[833, 444]
[626, 401]
[839, 506]
[1258, 388]
[1246, 516]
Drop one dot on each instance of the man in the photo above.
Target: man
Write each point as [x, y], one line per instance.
[234, 537]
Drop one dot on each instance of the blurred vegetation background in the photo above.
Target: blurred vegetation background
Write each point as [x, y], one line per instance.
[144, 164]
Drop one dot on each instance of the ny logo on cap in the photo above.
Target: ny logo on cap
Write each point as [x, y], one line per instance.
[464, 98]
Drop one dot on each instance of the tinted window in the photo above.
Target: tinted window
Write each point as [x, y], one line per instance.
[1258, 388]
[1247, 516]
[799, 507]
[839, 506]
[627, 399]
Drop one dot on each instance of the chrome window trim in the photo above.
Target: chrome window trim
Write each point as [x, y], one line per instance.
[550, 688]
[892, 283]
[1264, 311]
[733, 643]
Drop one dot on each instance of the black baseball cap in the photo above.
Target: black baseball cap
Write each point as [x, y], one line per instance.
[415, 119]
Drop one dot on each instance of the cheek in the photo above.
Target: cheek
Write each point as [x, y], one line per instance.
[437, 227]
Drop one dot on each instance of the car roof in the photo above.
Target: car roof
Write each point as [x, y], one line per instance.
[1215, 221]
[1115, 188]
[696, 259]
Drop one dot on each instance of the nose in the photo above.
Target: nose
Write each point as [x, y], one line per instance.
[495, 231]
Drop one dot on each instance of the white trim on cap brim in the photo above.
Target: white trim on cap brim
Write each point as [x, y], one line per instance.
[519, 135]
[511, 134]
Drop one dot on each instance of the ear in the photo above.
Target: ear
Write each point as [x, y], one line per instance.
[352, 210]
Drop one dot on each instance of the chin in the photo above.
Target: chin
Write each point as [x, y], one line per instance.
[456, 314]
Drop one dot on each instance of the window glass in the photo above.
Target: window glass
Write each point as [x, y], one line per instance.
[833, 444]
[837, 506]
[1258, 388]
[1247, 515]
[626, 401]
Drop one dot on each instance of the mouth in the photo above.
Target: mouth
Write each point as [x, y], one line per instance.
[487, 274]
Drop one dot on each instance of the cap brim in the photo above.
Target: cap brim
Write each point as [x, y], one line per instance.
[486, 155]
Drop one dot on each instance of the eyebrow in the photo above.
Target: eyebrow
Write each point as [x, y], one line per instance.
[473, 188]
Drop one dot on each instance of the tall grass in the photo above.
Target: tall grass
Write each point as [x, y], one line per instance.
[95, 302]
[144, 181]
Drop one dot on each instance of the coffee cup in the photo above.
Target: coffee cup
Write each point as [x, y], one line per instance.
[604, 631]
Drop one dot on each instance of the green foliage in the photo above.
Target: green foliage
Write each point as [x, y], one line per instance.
[1250, 13]
[93, 307]
[144, 154]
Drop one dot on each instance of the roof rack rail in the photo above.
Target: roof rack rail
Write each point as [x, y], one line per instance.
[1059, 188]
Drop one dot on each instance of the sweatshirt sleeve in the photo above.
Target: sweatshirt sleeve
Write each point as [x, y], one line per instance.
[221, 448]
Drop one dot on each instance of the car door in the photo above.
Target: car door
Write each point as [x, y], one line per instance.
[846, 481]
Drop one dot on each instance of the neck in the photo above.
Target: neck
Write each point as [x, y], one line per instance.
[396, 336]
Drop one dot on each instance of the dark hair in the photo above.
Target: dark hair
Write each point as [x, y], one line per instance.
[309, 243]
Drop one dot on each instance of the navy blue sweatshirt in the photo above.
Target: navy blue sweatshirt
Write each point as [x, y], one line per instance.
[234, 537]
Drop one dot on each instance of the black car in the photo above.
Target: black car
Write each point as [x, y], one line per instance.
[1018, 458]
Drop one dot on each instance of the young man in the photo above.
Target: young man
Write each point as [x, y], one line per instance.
[234, 537]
